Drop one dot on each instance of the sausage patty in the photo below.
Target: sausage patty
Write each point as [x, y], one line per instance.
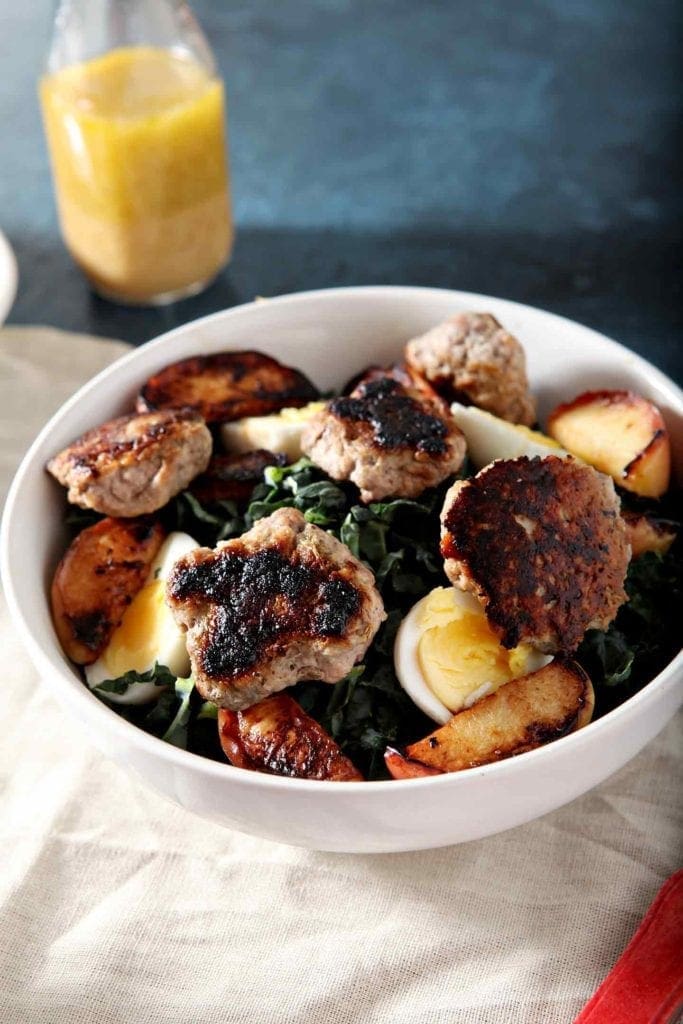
[134, 465]
[391, 436]
[542, 544]
[284, 602]
[471, 358]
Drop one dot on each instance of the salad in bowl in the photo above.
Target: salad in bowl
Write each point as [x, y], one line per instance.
[304, 585]
[390, 544]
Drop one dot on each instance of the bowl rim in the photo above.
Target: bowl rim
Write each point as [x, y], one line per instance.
[9, 277]
[74, 691]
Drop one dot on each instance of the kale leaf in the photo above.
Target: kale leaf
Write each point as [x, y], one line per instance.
[208, 524]
[644, 636]
[178, 715]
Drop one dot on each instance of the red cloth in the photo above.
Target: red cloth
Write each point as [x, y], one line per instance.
[646, 985]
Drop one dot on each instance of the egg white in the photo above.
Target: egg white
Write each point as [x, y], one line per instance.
[279, 432]
[167, 642]
[409, 671]
[489, 438]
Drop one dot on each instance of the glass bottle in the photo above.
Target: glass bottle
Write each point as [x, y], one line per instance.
[134, 118]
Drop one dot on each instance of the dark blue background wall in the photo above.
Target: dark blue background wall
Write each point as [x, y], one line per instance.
[526, 149]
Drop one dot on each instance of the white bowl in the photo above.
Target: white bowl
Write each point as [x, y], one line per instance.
[331, 335]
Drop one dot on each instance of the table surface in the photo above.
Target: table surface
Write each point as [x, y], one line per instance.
[117, 906]
[528, 153]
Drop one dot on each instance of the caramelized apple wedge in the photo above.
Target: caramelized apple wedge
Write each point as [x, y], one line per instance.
[99, 575]
[521, 715]
[621, 434]
[401, 767]
[227, 386]
[277, 736]
[233, 477]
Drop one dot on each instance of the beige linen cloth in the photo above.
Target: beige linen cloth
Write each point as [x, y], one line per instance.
[119, 908]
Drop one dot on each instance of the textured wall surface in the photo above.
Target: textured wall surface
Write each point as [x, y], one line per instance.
[526, 149]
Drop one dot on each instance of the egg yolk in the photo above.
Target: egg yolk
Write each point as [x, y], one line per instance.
[459, 654]
[135, 642]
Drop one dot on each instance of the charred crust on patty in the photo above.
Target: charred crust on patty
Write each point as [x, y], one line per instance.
[306, 598]
[284, 602]
[392, 435]
[541, 543]
[105, 444]
[397, 419]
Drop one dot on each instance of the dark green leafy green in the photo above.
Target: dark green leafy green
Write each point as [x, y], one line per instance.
[302, 486]
[207, 524]
[178, 715]
[611, 655]
[208, 711]
[645, 634]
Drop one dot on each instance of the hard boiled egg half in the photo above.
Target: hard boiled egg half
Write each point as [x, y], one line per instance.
[447, 657]
[488, 437]
[279, 432]
[147, 633]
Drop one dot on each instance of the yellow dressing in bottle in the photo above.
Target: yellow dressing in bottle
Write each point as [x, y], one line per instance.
[137, 145]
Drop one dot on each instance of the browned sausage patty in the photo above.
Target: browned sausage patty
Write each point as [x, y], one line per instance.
[391, 436]
[542, 544]
[285, 601]
[134, 465]
[227, 386]
[278, 737]
[472, 358]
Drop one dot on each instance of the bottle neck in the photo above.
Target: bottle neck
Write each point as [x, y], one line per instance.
[84, 29]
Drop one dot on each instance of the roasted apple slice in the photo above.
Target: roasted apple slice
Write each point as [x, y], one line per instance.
[646, 534]
[227, 386]
[621, 434]
[278, 737]
[99, 575]
[521, 715]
